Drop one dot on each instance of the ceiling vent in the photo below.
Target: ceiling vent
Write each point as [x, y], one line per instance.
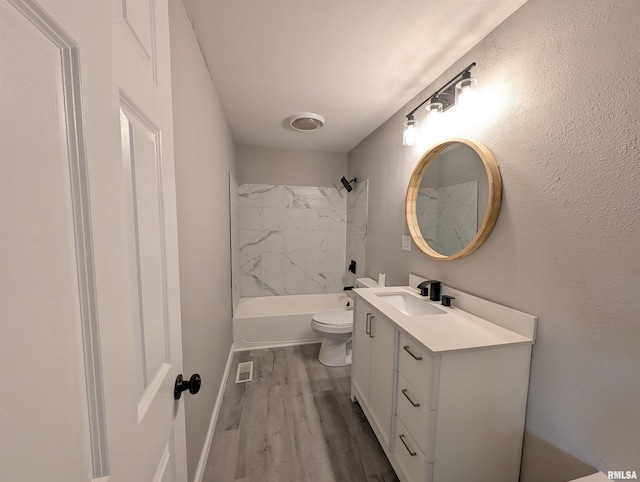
[306, 122]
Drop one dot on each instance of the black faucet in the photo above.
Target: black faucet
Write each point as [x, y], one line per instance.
[435, 289]
[424, 288]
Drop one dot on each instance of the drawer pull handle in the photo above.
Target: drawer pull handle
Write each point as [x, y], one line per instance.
[371, 318]
[412, 453]
[367, 325]
[404, 392]
[406, 348]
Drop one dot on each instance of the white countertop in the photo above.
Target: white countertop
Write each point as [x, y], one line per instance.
[453, 331]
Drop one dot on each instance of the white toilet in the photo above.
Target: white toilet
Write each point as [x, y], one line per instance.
[335, 327]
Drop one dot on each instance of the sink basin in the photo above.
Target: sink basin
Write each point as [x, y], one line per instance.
[409, 305]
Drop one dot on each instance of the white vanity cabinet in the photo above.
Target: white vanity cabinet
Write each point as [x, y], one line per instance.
[446, 393]
[374, 340]
[470, 421]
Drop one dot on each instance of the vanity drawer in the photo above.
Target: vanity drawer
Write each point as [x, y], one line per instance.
[414, 412]
[420, 368]
[409, 457]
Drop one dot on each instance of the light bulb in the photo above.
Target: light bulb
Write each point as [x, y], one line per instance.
[410, 131]
[465, 87]
[434, 109]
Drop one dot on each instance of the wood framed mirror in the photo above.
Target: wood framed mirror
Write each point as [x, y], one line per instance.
[453, 199]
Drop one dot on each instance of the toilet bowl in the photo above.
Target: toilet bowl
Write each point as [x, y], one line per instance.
[335, 327]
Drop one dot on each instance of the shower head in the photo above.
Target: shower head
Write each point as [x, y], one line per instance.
[347, 184]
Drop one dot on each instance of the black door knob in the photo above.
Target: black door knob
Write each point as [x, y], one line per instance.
[193, 385]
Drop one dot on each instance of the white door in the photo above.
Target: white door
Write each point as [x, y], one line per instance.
[90, 340]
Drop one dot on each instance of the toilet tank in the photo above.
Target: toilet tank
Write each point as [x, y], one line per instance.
[361, 283]
[366, 283]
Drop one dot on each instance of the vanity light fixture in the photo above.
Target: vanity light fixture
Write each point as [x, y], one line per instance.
[443, 98]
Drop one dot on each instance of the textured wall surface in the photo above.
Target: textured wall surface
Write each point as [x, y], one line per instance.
[204, 153]
[265, 165]
[559, 107]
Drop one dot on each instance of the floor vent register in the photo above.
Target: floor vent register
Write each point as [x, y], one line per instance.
[245, 372]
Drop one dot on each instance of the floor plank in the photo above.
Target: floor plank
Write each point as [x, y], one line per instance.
[225, 445]
[293, 422]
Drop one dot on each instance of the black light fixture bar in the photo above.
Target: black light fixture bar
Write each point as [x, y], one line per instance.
[445, 94]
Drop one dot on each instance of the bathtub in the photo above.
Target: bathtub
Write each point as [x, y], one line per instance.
[269, 321]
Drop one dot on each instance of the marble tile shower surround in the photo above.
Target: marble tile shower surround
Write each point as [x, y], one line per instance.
[291, 239]
[233, 216]
[448, 216]
[357, 203]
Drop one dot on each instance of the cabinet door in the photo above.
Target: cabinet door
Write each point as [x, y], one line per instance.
[361, 364]
[383, 338]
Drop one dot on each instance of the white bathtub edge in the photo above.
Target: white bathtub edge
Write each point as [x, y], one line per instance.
[260, 346]
[204, 455]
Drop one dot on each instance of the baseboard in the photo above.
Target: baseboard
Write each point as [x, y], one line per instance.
[202, 463]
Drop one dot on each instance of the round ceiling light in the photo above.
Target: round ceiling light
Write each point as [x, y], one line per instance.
[306, 122]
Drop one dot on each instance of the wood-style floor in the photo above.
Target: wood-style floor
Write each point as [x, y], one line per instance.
[294, 422]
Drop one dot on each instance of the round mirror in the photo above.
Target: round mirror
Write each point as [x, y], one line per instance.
[453, 199]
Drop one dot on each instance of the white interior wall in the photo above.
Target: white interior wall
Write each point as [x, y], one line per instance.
[204, 156]
[293, 167]
[559, 87]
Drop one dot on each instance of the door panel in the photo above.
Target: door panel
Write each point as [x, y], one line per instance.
[40, 297]
[139, 20]
[141, 162]
[89, 278]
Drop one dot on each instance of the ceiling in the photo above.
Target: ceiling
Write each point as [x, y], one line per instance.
[355, 62]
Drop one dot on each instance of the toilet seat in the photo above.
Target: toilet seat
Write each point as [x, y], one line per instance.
[336, 318]
[333, 322]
